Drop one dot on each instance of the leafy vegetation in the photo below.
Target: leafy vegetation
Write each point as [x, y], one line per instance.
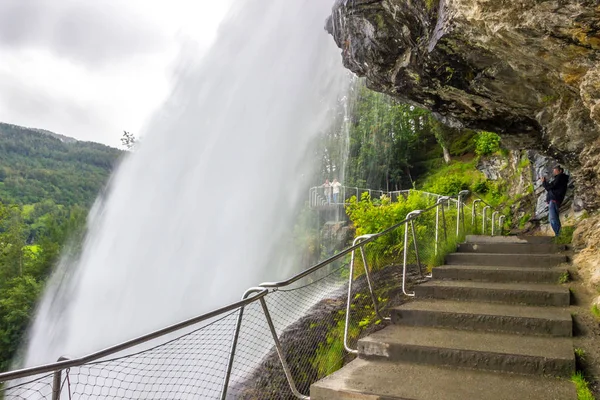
[31, 240]
[487, 143]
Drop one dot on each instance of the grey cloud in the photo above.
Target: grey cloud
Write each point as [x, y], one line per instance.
[23, 104]
[90, 32]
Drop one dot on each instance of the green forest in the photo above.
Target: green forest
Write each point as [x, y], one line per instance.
[47, 184]
[36, 166]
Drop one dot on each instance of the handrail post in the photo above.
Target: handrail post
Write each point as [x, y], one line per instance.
[234, 342]
[485, 218]
[494, 221]
[474, 213]
[412, 228]
[57, 380]
[439, 203]
[349, 300]
[368, 275]
[444, 221]
[279, 349]
[459, 207]
[501, 224]
[437, 226]
[409, 217]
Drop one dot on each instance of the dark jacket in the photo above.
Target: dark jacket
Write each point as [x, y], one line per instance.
[557, 188]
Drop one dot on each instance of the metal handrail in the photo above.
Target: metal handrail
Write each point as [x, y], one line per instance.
[22, 373]
[259, 293]
[495, 212]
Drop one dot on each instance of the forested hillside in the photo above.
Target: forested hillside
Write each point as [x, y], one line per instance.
[36, 166]
[47, 184]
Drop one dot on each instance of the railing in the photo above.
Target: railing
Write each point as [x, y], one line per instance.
[319, 198]
[484, 226]
[247, 349]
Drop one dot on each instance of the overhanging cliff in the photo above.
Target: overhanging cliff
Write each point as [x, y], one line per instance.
[527, 70]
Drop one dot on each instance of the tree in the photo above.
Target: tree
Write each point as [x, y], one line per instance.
[128, 140]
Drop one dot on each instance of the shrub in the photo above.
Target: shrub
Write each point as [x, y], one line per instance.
[487, 143]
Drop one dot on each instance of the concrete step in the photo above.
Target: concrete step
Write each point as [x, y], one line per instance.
[499, 274]
[493, 292]
[480, 350]
[547, 321]
[510, 248]
[376, 380]
[509, 239]
[506, 260]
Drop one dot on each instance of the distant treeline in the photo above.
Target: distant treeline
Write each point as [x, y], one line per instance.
[36, 166]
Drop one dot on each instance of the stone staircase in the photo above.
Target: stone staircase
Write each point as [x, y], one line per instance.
[492, 324]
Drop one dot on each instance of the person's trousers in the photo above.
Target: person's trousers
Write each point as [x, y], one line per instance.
[335, 198]
[553, 217]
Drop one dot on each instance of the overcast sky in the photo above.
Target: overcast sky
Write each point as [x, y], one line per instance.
[91, 69]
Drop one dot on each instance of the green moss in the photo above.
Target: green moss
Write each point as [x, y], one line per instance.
[550, 99]
[523, 220]
[596, 311]
[530, 188]
[380, 21]
[430, 4]
[524, 162]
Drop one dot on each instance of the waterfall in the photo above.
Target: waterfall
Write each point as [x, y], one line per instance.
[190, 218]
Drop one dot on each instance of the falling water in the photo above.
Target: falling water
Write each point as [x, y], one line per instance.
[192, 215]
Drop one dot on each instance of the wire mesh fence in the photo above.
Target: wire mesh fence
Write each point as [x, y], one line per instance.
[308, 318]
[189, 366]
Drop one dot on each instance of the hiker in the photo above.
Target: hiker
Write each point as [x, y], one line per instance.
[336, 190]
[327, 190]
[555, 196]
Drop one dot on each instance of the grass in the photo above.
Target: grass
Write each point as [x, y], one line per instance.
[565, 236]
[582, 386]
[579, 354]
[444, 248]
[564, 277]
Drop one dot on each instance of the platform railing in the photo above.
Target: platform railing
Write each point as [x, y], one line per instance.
[318, 197]
[81, 376]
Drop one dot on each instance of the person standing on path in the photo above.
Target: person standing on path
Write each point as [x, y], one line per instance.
[557, 189]
[336, 190]
[327, 191]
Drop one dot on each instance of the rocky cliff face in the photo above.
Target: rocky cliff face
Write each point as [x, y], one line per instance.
[527, 70]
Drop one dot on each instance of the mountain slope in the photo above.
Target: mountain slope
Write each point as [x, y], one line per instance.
[38, 165]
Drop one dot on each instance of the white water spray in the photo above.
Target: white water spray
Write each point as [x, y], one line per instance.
[193, 214]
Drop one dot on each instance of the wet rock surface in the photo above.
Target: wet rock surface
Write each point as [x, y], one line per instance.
[527, 70]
